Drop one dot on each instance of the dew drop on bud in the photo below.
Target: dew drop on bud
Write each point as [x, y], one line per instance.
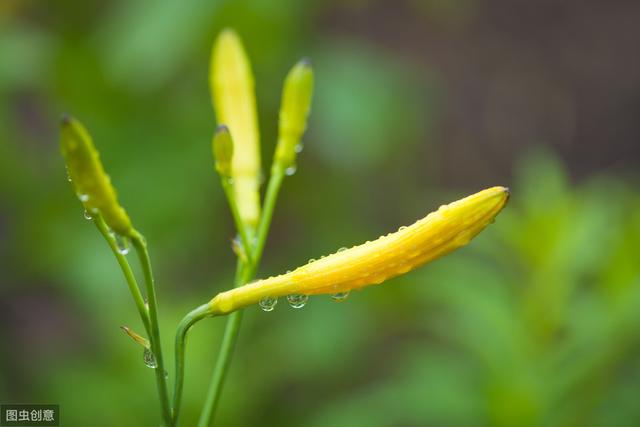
[268, 303]
[299, 147]
[297, 300]
[290, 170]
[83, 197]
[149, 359]
[340, 296]
[87, 215]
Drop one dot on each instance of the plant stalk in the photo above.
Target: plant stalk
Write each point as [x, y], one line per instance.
[140, 245]
[244, 273]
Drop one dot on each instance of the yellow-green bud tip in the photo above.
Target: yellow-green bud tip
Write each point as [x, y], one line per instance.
[222, 147]
[91, 183]
[294, 110]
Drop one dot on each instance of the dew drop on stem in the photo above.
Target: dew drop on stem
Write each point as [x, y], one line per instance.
[87, 215]
[122, 244]
[149, 359]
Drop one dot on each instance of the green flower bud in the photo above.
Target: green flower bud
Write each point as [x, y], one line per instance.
[90, 181]
[296, 103]
[222, 147]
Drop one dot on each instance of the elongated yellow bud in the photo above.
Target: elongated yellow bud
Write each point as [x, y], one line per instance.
[90, 181]
[222, 147]
[449, 228]
[232, 92]
[296, 103]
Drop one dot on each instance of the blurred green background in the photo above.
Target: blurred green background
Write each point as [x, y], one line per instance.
[417, 103]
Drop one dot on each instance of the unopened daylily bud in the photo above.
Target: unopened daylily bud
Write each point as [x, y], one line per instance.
[233, 95]
[222, 147]
[136, 337]
[296, 103]
[449, 228]
[90, 181]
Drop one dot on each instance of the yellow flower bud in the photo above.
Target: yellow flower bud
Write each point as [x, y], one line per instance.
[92, 185]
[232, 91]
[296, 103]
[449, 228]
[222, 147]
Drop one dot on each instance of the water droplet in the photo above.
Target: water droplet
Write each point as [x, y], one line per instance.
[149, 359]
[311, 260]
[402, 228]
[122, 243]
[268, 303]
[290, 170]
[83, 197]
[297, 300]
[87, 215]
[342, 249]
[299, 147]
[166, 374]
[340, 296]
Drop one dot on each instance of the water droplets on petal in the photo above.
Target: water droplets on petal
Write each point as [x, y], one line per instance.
[297, 300]
[87, 215]
[340, 296]
[268, 303]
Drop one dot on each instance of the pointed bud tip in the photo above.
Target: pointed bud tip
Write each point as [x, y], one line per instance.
[65, 119]
[306, 62]
[222, 129]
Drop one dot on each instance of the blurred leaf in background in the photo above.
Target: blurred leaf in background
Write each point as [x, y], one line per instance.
[534, 324]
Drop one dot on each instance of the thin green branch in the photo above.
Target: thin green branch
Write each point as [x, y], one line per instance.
[244, 273]
[140, 245]
[273, 189]
[240, 225]
[181, 339]
[126, 269]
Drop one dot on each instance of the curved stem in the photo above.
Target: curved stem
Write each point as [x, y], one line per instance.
[126, 269]
[244, 273]
[154, 332]
[181, 339]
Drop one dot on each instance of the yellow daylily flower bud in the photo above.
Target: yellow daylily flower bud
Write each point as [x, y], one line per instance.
[296, 103]
[91, 183]
[449, 228]
[222, 147]
[232, 92]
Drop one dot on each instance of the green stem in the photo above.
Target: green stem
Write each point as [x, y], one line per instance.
[244, 273]
[232, 328]
[181, 339]
[154, 333]
[235, 213]
[126, 269]
[270, 198]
